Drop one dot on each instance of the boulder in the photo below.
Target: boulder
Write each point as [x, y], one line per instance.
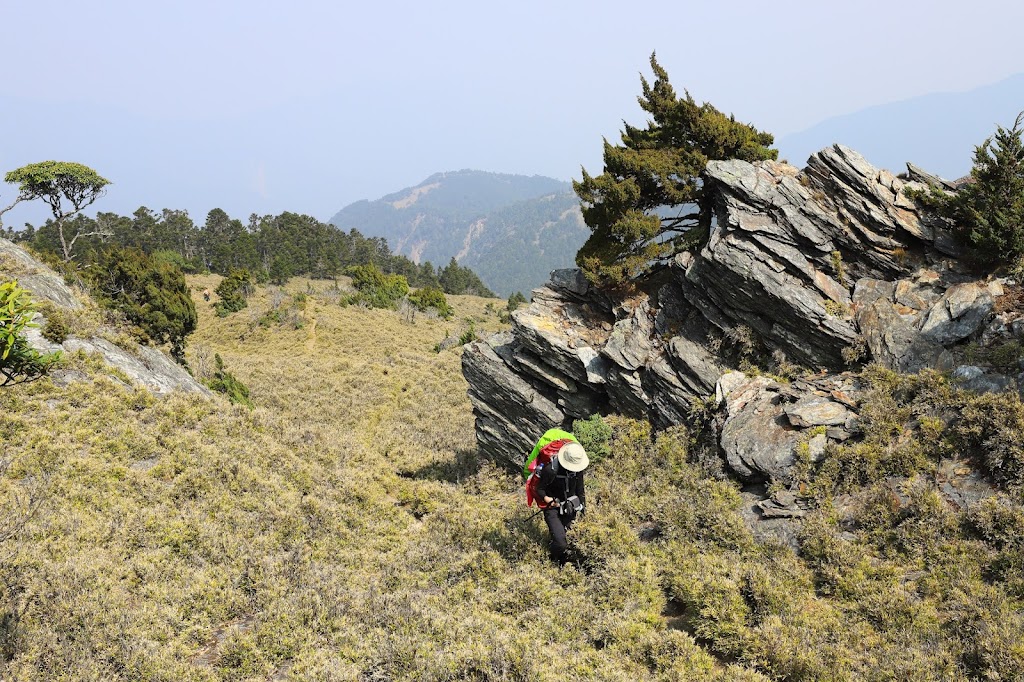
[509, 410]
[42, 282]
[758, 441]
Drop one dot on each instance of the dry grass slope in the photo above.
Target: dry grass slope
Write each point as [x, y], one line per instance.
[343, 529]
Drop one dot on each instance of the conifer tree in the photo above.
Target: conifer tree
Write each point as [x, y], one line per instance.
[650, 197]
[988, 213]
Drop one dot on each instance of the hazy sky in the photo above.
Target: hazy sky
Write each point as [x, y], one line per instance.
[307, 106]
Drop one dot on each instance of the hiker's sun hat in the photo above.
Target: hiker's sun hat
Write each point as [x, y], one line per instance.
[573, 457]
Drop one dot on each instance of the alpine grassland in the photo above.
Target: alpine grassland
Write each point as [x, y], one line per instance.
[341, 526]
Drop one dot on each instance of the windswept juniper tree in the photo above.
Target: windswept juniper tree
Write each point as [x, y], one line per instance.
[649, 202]
[988, 213]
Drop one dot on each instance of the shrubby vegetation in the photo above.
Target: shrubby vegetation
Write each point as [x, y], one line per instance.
[234, 291]
[376, 289]
[431, 298]
[987, 213]
[650, 202]
[344, 529]
[19, 362]
[150, 294]
[225, 382]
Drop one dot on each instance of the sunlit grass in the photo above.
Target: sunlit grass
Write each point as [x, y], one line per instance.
[344, 529]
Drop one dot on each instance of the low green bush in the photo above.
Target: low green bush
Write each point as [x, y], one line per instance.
[225, 382]
[431, 297]
[375, 288]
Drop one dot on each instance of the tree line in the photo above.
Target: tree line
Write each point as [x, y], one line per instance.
[272, 248]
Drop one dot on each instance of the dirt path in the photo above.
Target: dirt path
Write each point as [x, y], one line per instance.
[311, 327]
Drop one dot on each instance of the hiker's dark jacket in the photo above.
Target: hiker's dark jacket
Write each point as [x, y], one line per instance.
[560, 483]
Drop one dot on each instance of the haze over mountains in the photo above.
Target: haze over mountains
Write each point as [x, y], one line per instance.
[937, 132]
[248, 166]
[512, 230]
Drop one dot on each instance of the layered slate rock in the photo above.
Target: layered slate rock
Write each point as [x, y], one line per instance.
[811, 264]
[143, 365]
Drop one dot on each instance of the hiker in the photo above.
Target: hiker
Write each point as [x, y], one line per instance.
[556, 483]
[206, 294]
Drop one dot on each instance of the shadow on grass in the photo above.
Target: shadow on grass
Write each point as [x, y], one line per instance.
[464, 464]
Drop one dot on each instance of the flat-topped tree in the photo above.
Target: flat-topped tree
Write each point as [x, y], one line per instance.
[67, 187]
[629, 207]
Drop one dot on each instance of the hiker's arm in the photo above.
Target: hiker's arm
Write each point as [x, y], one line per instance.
[581, 490]
[546, 478]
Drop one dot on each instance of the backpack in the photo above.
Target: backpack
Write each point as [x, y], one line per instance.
[542, 456]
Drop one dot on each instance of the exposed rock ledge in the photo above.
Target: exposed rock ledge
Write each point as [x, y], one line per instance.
[145, 366]
[812, 262]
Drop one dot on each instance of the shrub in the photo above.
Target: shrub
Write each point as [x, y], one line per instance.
[225, 382]
[57, 327]
[19, 362]
[376, 289]
[431, 297]
[186, 265]
[469, 335]
[593, 434]
[234, 290]
[151, 295]
[992, 425]
[514, 301]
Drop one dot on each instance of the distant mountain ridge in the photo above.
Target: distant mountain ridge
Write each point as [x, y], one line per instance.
[512, 230]
[937, 131]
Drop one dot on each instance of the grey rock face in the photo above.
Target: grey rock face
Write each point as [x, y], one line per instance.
[511, 413]
[41, 281]
[145, 366]
[757, 438]
[788, 245]
[978, 380]
[811, 261]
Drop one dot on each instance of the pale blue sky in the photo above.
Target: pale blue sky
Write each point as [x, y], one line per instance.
[308, 106]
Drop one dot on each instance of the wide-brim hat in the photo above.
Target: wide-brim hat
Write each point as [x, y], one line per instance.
[573, 457]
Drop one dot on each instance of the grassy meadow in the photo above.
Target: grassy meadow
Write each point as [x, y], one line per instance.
[344, 529]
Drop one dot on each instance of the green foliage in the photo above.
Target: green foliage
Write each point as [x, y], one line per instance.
[469, 335]
[457, 280]
[651, 194]
[594, 435]
[992, 425]
[170, 257]
[225, 382]
[57, 327]
[151, 295]
[988, 213]
[59, 183]
[431, 297]
[514, 301]
[19, 362]
[234, 291]
[900, 434]
[376, 289]
[271, 248]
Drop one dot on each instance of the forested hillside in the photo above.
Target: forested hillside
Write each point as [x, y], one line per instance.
[520, 242]
[514, 228]
[270, 248]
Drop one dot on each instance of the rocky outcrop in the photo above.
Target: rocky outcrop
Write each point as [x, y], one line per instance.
[142, 365]
[812, 266]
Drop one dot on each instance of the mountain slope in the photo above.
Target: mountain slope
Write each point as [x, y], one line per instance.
[480, 219]
[937, 132]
